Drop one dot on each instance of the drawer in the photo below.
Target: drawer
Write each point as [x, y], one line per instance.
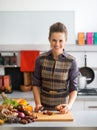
[90, 105]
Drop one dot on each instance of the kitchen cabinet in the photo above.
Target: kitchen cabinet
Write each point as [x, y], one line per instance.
[90, 105]
[85, 103]
[9, 66]
[32, 31]
[78, 105]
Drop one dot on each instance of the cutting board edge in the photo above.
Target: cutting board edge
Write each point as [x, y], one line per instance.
[44, 118]
[40, 120]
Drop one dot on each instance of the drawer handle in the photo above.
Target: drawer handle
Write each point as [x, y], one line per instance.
[92, 106]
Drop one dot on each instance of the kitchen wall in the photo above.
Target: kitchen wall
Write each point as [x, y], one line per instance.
[85, 10]
[85, 20]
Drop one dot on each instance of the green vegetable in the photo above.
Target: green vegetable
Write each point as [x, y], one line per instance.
[10, 102]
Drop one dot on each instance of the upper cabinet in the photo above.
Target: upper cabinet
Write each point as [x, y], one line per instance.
[32, 27]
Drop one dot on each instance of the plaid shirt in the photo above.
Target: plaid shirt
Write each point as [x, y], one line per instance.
[55, 78]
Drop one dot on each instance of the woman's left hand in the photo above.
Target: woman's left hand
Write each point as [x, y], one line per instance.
[63, 108]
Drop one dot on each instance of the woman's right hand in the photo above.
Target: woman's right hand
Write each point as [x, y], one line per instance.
[38, 108]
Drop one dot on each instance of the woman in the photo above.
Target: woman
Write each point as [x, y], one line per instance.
[56, 74]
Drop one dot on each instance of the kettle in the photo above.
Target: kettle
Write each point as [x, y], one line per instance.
[82, 82]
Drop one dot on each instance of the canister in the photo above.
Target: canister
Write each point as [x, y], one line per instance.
[95, 38]
[6, 60]
[81, 38]
[7, 83]
[89, 38]
[6, 80]
[1, 59]
[1, 83]
[82, 82]
[13, 59]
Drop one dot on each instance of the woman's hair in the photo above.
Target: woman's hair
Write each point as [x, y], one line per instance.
[57, 27]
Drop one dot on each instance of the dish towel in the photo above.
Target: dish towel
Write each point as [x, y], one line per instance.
[27, 60]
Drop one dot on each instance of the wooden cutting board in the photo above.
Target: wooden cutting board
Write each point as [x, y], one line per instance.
[56, 116]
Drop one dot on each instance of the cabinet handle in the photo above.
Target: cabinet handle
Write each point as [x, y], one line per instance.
[92, 106]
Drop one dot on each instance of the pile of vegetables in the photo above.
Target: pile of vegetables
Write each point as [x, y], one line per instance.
[9, 101]
[16, 111]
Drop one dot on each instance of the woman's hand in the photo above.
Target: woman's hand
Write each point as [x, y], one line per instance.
[63, 108]
[38, 108]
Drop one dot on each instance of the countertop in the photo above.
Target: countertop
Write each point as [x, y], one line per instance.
[19, 94]
[87, 119]
[81, 119]
[29, 96]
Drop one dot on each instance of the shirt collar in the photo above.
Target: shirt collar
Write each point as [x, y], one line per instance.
[63, 54]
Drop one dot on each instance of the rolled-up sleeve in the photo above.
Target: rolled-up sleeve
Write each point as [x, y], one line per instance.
[37, 73]
[73, 77]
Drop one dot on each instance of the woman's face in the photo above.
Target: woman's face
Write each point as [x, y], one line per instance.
[57, 42]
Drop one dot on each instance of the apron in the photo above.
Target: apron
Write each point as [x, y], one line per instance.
[54, 88]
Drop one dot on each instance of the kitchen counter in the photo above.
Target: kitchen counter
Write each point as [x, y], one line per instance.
[29, 95]
[19, 94]
[87, 119]
[82, 119]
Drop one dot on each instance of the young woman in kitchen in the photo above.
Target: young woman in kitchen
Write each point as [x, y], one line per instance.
[56, 74]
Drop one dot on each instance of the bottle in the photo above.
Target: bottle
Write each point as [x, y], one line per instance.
[95, 38]
[89, 38]
[81, 38]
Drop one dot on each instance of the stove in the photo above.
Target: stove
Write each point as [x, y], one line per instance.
[87, 92]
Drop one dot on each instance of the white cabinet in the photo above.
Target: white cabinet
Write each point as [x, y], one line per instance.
[85, 103]
[78, 105]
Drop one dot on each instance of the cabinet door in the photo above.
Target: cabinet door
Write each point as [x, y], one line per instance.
[90, 105]
[78, 105]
